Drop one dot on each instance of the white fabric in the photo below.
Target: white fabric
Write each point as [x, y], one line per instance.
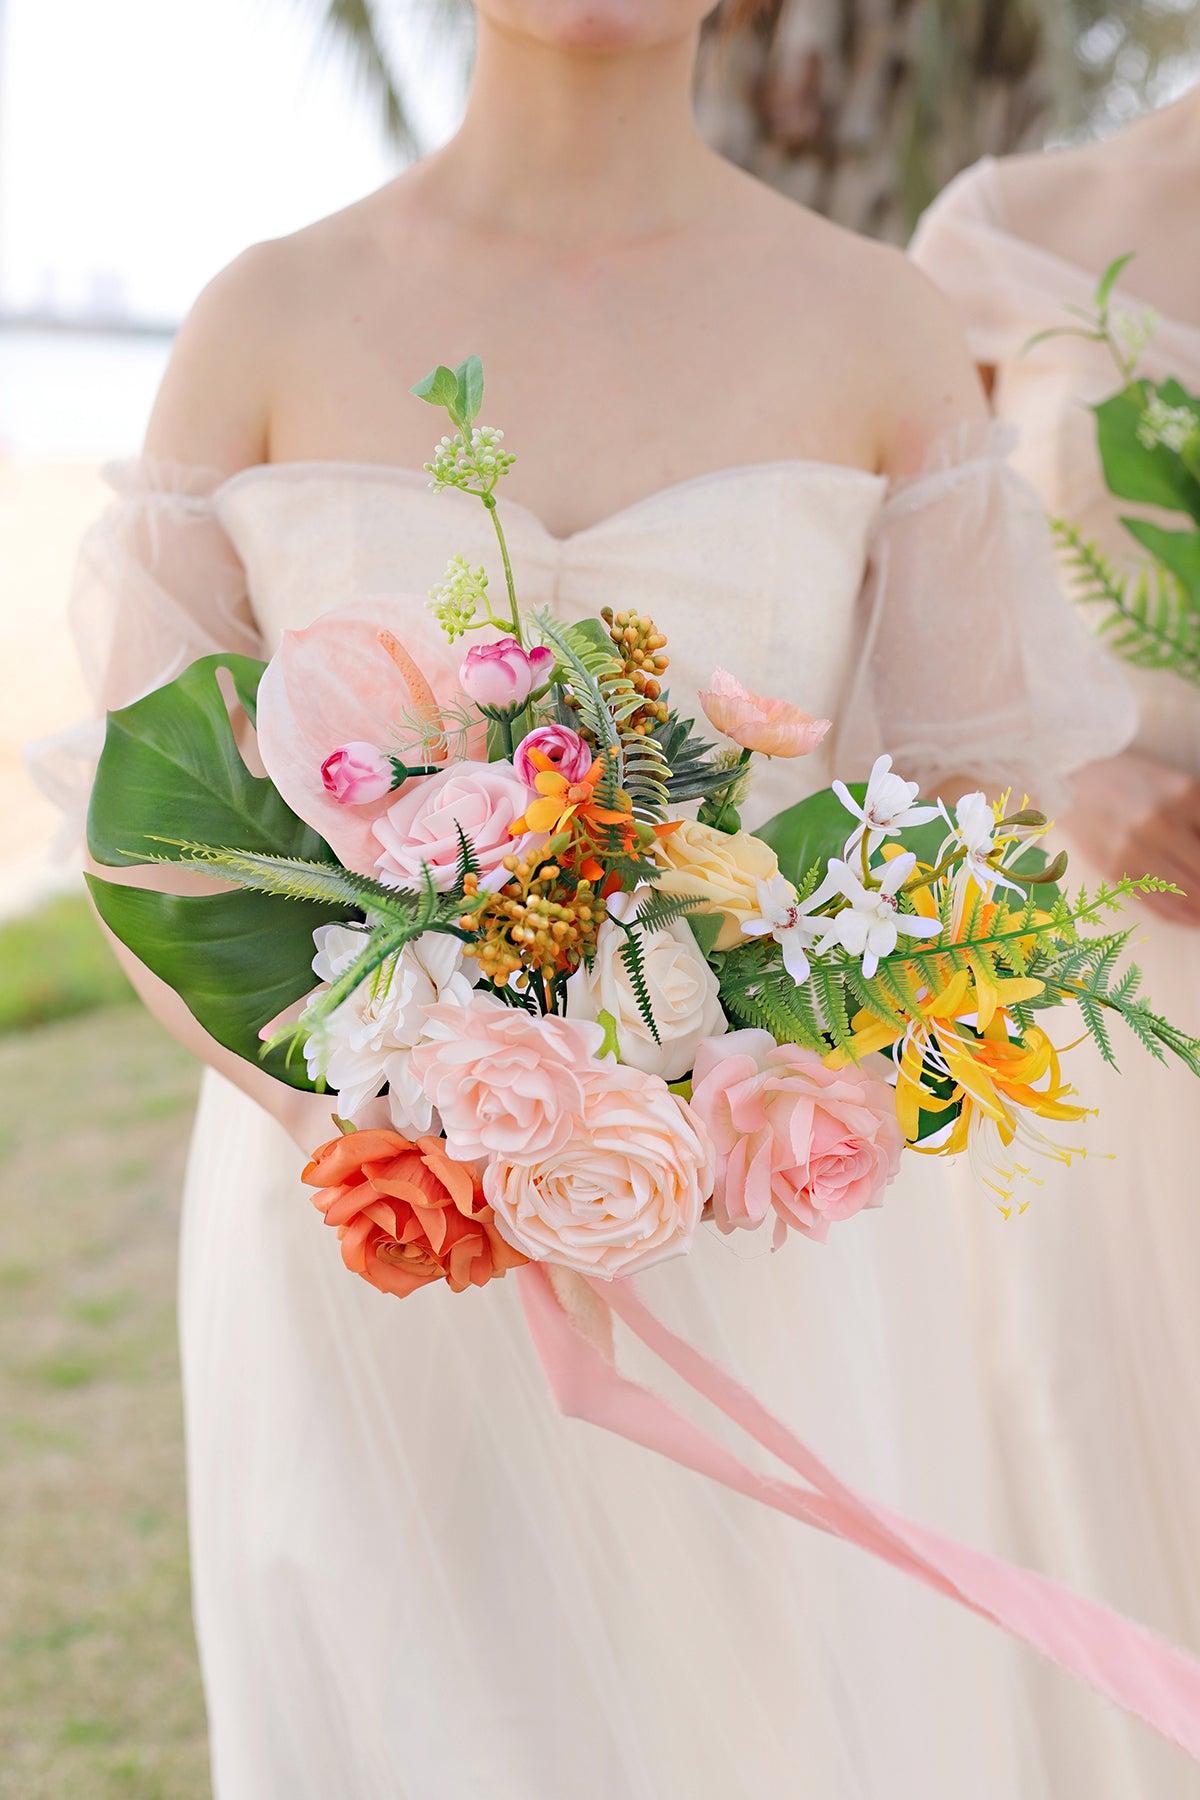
[412, 1579]
[1087, 1328]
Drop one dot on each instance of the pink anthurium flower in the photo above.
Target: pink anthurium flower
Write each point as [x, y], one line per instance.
[772, 727]
[501, 676]
[363, 673]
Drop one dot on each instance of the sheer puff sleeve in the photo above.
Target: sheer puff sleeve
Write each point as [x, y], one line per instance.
[971, 662]
[157, 584]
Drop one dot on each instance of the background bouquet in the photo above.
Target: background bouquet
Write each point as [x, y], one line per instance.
[1148, 441]
[568, 1005]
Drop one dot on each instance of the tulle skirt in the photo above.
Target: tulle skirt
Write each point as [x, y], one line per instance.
[1087, 1335]
[413, 1578]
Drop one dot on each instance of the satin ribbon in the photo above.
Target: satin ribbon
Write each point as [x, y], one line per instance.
[1123, 1661]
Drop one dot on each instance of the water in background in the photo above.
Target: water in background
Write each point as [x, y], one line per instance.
[76, 395]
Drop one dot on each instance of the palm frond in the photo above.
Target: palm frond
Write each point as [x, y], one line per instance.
[355, 25]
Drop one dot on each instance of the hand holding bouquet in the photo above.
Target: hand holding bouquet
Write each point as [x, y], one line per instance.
[569, 1007]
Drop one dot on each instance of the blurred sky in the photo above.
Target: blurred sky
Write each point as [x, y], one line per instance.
[143, 143]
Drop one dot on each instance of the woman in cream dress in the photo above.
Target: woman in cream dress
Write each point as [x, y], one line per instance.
[1089, 1329]
[413, 1580]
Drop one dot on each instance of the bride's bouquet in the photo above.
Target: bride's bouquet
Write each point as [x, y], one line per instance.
[568, 1005]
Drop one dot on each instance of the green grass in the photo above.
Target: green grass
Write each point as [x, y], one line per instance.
[54, 964]
[99, 1689]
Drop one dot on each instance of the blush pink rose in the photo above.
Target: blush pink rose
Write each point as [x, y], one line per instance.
[421, 824]
[625, 1189]
[503, 1082]
[562, 748]
[357, 773]
[502, 675]
[809, 1143]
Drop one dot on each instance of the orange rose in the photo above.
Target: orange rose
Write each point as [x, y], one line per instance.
[406, 1214]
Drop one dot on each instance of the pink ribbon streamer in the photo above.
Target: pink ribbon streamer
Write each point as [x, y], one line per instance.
[1122, 1660]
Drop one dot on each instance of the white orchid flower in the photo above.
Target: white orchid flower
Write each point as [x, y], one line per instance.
[974, 827]
[888, 806]
[870, 926]
[789, 921]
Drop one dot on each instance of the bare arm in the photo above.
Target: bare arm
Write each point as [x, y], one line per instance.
[213, 409]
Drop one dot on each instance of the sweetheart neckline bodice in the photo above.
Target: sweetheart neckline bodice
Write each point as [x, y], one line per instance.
[315, 467]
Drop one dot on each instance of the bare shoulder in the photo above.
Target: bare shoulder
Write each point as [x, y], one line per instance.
[908, 363]
[233, 348]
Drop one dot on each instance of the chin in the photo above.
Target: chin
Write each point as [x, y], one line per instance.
[602, 26]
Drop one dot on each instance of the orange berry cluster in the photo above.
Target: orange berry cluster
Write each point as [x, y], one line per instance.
[641, 647]
[540, 923]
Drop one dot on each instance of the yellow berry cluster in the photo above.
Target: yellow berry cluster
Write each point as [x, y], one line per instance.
[641, 647]
[540, 923]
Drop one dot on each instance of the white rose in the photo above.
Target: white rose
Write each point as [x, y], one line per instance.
[370, 1039]
[683, 993]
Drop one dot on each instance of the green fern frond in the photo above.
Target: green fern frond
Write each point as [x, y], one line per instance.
[586, 665]
[1148, 620]
[873, 998]
[292, 877]
[828, 980]
[607, 701]
[634, 965]
[659, 910]
[756, 990]
[811, 877]
[468, 863]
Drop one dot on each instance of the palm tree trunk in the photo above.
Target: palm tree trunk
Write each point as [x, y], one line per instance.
[863, 109]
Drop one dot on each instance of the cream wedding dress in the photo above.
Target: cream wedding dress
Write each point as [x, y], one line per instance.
[1089, 1333]
[413, 1579]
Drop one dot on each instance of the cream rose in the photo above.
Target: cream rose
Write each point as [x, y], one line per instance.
[683, 993]
[626, 1189]
[724, 867]
[504, 1083]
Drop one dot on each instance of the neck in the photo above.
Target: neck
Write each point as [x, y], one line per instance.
[576, 145]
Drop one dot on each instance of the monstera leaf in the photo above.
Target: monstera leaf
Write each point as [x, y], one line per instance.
[171, 769]
[1177, 551]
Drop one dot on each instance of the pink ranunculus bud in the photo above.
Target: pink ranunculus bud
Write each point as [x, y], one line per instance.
[356, 773]
[562, 748]
[772, 727]
[501, 676]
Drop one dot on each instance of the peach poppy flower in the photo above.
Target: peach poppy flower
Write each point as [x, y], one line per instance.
[771, 727]
[406, 1214]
